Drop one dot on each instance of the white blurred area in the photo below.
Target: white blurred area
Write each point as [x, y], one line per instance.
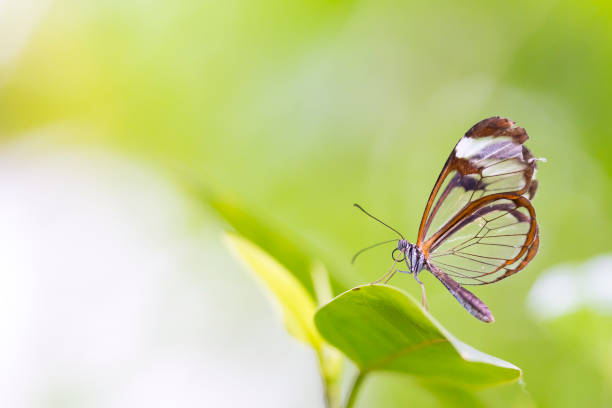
[112, 296]
[18, 19]
[564, 289]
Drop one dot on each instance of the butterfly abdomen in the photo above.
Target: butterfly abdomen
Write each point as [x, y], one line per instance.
[467, 299]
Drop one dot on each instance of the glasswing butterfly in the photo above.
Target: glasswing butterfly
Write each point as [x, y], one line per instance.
[479, 226]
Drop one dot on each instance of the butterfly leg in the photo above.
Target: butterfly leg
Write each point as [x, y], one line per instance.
[397, 270]
[423, 296]
[390, 276]
[387, 275]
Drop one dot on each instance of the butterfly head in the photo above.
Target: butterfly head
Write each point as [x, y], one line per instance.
[403, 247]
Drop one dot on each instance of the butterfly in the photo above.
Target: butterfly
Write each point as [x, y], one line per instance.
[479, 225]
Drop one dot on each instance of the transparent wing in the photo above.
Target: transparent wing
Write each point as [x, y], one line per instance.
[494, 241]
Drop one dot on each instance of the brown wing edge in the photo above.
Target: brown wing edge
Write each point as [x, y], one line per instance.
[467, 299]
[498, 126]
[432, 196]
[530, 252]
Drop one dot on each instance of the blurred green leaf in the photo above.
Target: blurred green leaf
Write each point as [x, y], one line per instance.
[330, 359]
[383, 328]
[265, 234]
[298, 307]
[320, 280]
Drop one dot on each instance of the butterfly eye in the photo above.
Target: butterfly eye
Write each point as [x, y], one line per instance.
[398, 257]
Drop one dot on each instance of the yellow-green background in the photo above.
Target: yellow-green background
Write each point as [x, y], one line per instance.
[296, 110]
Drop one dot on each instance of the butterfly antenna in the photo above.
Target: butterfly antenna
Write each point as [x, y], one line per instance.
[370, 247]
[371, 216]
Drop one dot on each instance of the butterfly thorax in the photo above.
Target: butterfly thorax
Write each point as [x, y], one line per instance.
[411, 254]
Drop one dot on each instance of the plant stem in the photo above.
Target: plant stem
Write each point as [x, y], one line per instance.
[355, 389]
[330, 367]
[331, 394]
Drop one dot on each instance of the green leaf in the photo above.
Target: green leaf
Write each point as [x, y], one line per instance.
[380, 327]
[262, 231]
[298, 307]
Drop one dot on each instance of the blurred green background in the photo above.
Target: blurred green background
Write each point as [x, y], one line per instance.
[296, 110]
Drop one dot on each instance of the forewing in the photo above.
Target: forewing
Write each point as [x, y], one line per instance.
[490, 159]
[489, 242]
